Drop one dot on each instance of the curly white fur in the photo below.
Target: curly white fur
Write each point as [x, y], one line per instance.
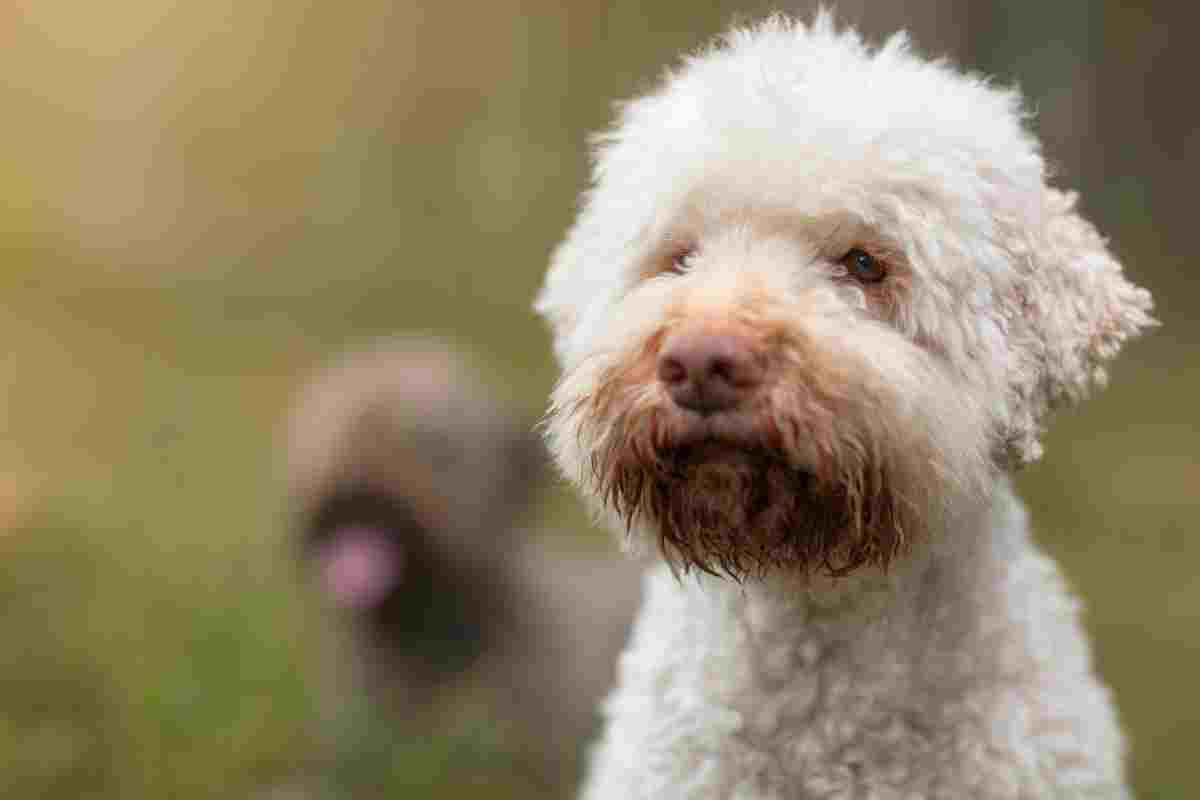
[958, 670]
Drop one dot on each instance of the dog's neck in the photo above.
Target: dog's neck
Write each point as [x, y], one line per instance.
[963, 559]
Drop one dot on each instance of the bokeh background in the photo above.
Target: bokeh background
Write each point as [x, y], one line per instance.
[200, 200]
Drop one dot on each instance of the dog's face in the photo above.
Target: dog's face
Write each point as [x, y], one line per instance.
[405, 479]
[816, 298]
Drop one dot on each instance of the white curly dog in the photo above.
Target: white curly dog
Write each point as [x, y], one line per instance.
[816, 306]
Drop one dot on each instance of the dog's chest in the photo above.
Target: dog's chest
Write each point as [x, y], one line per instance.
[727, 697]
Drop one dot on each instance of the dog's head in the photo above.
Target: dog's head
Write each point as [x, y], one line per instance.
[405, 479]
[817, 296]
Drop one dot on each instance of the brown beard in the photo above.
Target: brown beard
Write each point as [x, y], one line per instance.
[740, 512]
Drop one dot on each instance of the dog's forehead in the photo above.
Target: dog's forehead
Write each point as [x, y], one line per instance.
[823, 89]
[812, 118]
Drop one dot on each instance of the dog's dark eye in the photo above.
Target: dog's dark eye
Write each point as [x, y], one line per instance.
[680, 260]
[863, 266]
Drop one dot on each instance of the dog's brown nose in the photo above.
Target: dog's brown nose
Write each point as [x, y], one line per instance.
[710, 367]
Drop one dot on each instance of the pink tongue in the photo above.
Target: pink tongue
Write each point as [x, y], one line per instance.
[360, 566]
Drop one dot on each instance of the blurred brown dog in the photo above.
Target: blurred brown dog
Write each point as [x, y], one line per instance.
[406, 483]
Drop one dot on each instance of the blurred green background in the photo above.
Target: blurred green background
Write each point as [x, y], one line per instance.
[200, 200]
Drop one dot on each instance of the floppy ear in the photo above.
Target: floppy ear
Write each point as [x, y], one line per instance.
[1074, 309]
[554, 300]
[588, 270]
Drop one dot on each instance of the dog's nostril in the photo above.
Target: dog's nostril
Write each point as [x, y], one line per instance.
[707, 370]
[671, 370]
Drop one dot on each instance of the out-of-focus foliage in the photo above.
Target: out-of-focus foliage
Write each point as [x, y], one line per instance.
[198, 200]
